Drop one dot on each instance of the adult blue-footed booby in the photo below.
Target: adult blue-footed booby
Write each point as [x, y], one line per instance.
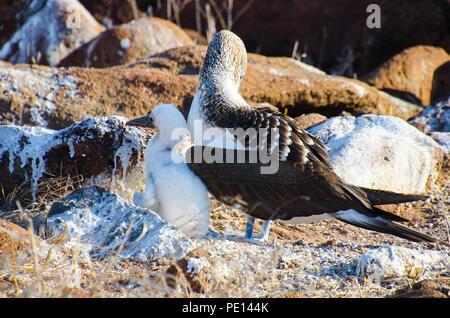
[172, 189]
[304, 188]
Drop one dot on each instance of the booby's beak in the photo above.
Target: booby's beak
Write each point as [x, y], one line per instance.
[145, 121]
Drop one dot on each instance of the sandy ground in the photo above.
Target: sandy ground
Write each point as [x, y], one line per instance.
[314, 260]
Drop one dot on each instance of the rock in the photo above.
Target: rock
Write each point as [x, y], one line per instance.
[190, 268]
[96, 148]
[380, 152]
[14, 237]
[16, 246]
[423, 289]
[196, 37]
[185, 60]
[101, 220]
[441, 83]
[433, 118]
[291, 294]
[386, 262]
[289, 83]
[443, 140]
[308, 120]
[333, 34]
[128, 43]
[47, 31]
[410, 71]
[435, 121]
[112, 12]
[56, 98]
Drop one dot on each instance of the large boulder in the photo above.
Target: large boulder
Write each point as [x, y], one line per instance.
[411, 71]
[389, 262]
[128, 43]
[380, 152]
[104, 222]
[103, 148]
[300, 88]
[56, 98]
[46, 31]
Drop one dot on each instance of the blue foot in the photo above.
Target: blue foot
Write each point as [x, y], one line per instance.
[211, 234]
[248, 234]
[264, 235]
[249, 227]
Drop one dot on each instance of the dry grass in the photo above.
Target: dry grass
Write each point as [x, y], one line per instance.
[212, 13]
[285, 267]
[47, 191]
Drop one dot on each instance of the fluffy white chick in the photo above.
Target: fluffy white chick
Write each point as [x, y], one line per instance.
[172, 189]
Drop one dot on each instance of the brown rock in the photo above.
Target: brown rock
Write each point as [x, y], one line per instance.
[410, 71]
[46, 34]
[185, 60]
[30, 156]
[56, 98]
[423, 289]
[15, 240]
[128, 43]
[287, 83]
[196, 37]
[12, 237]
[441, 83]
[307, 120]
[181, 271]
[292, 294]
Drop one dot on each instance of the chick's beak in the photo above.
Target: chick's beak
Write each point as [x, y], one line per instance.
[144, 121]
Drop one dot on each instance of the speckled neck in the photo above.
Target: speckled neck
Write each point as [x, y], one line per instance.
[217, 96]
[224, 64]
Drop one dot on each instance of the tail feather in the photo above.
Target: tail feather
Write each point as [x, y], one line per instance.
[380, 197]
[388, 215]
[384, 225]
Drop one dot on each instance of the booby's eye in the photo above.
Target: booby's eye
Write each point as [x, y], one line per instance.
[151, 121]
[241, 76]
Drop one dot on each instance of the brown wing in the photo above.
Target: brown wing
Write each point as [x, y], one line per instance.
[381, 197]
[294, 143]
[294, 190]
